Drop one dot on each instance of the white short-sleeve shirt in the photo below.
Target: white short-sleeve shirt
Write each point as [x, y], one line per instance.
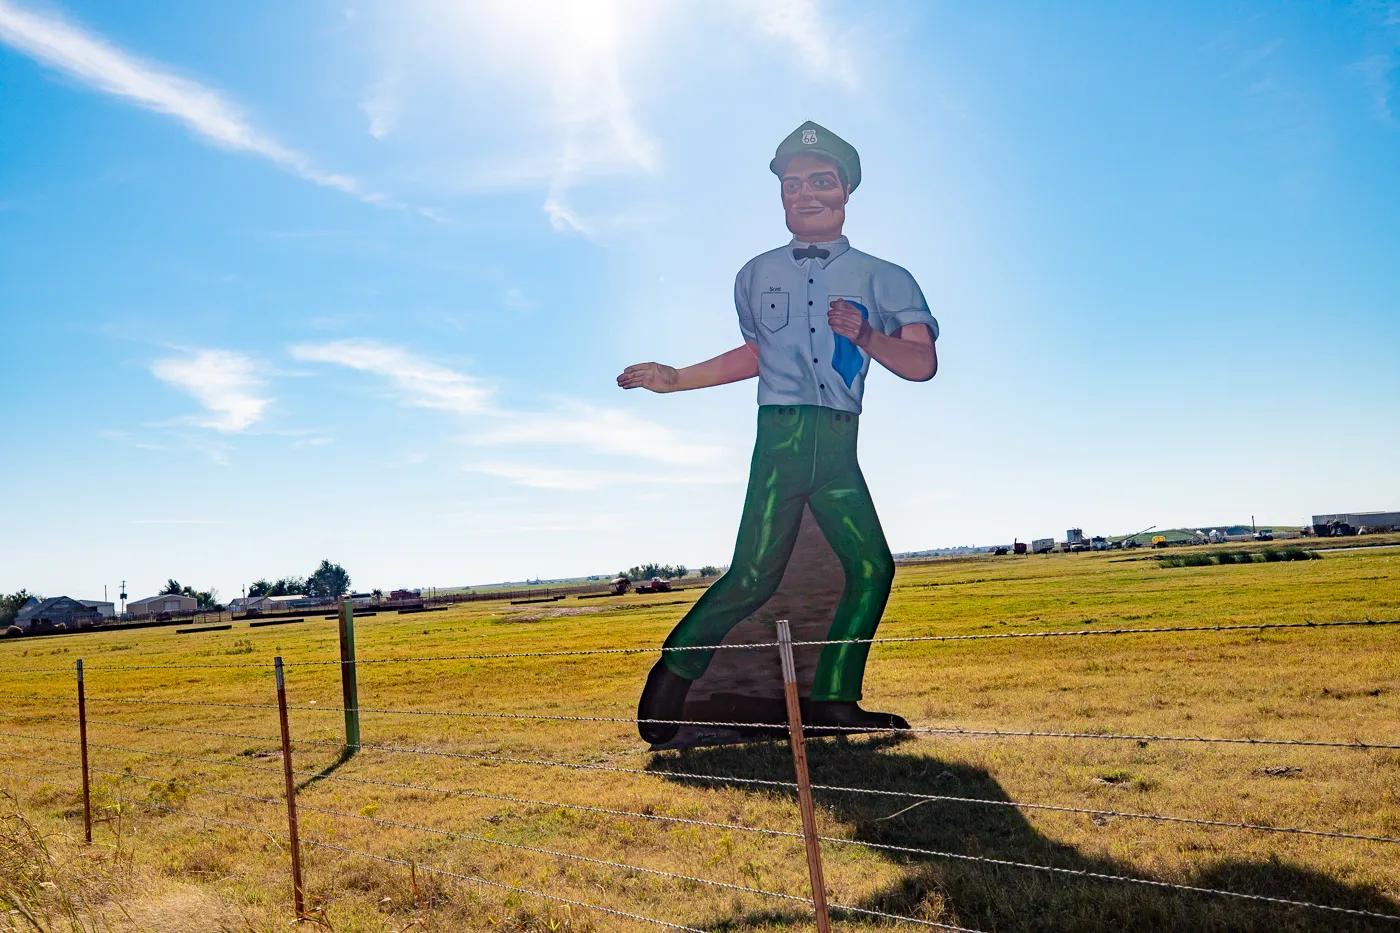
[783, 302]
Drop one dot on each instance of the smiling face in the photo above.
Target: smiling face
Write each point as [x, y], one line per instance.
[814, 198]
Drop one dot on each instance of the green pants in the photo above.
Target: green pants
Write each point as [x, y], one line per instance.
[804, 455]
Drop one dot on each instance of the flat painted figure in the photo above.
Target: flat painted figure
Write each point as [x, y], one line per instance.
[813, 314]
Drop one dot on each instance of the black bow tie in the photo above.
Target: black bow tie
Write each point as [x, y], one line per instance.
[811, 252]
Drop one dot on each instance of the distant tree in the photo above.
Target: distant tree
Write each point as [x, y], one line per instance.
[647, 571]
[172, 588]
[288, 586]
[260, 588]
[204, 599]
[330, 581]
[10, 606]
[709, 570]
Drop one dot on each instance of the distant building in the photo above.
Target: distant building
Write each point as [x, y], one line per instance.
[39, 615]
[1371, 520]
[107, 609]
[155, 605]
[251, 603]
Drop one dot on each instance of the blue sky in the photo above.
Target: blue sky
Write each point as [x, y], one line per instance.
[281, 282]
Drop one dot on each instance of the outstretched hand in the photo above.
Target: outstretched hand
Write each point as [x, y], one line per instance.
[658, 377]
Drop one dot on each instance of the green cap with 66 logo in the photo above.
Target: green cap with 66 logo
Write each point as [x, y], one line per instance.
[815, 139]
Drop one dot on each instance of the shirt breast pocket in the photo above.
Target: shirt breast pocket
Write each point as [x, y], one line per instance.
[773, 310]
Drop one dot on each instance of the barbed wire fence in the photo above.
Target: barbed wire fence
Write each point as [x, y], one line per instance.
[286, 798]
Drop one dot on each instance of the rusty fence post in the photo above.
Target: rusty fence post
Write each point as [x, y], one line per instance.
[291, 790]
[82, 746]
[349, 689]
[804, 784]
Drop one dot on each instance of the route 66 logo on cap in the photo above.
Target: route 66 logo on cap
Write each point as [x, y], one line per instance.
[809, 137]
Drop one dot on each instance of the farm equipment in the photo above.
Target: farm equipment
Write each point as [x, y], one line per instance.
[1132, 539]
[654, 585]
[619, 585]
[1018, 547]
[1159, 541]
[1042, 545]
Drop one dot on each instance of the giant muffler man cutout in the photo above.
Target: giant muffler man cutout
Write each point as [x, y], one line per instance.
[813, 314]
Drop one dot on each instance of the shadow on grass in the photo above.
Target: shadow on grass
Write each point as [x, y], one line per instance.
[1004, 898]
[345, 755]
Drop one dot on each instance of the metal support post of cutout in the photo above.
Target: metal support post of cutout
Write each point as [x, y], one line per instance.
[804, 784]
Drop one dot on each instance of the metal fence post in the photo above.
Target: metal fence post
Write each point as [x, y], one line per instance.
[297, 897]
[82, 745]
[349, 688]
[804, 785]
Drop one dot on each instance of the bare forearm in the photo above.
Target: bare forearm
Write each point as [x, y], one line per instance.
[910, 355]
[739, 363]
[733, 366]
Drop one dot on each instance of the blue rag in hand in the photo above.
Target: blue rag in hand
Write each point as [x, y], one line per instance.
[847, 360]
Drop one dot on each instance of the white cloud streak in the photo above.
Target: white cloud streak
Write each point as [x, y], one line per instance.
[99, 64]
[424, 384]
[604, 430]
[227, 384]
[537, 476]
[420, 383]
[801, 23]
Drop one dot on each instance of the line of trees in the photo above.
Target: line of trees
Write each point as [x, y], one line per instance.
[10, 605]
[328, 581]
[667, 572]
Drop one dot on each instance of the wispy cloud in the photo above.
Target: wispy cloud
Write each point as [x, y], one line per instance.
[1375, 72]
[228, 384]
[178, 521]
[803, 25]
[515, 299]
[419, 382]
[602, 430]
[101, 65]
[422, 383]
[381, 107]
[538, 476]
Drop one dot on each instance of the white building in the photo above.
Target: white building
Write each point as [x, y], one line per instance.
[107, 609]
[154, 605]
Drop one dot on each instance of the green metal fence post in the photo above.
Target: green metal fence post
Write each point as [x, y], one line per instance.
[349, 688]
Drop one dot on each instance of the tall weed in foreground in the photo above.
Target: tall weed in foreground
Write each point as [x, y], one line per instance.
[38, 891]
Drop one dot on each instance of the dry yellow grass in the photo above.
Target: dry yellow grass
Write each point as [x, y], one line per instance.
[179, 873]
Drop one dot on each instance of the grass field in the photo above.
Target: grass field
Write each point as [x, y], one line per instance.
[171, 871]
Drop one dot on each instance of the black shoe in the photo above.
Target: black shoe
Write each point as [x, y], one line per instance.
[662, 698]
[836, 717]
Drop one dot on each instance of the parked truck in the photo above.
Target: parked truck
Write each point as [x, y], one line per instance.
[1042, 545]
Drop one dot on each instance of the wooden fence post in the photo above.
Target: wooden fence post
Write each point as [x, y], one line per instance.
[349, 688]
[804, 784]
[291, 788]
[82, 745]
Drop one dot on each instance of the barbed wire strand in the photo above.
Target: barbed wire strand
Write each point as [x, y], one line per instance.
[152, 806]
[1100, 876]
[842, 907]
[497, 884]
[204, 789]
[1258, 626]
[910, 850]
[151, 751]
[776, 728]
[911, 795]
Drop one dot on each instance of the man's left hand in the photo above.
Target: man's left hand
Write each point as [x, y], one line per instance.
[846, 320]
